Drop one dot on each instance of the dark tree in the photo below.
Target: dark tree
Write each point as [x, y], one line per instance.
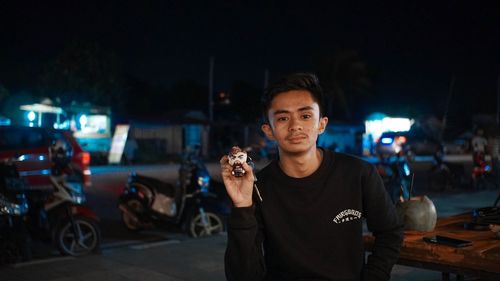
[187, 94]
[4, 93]
[84, 72]
[345, 79]
[245, 101]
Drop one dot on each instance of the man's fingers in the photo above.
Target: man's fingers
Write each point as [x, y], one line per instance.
[247, 168]
[224, 160]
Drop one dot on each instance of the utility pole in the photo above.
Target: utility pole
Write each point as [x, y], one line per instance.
[498, 102]
[447, 107]
[211, 90]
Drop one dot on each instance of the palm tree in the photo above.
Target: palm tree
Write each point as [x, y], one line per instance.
[344, 77]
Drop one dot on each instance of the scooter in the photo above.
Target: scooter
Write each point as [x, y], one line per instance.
[61, 215]
[397, 176]
[481, 172]
[14, 239]
[191, 204]
[444, 175]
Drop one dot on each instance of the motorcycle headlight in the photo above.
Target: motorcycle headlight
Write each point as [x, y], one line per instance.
[406, 169]
[203, 183]
[10, 208]
[77, 194]
[78, 198]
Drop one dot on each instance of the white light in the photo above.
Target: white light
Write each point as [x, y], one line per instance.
[387, 124]
[31, 116]
[31, 124]
[83, 120]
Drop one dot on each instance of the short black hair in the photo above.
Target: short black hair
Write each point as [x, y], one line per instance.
[297, 81]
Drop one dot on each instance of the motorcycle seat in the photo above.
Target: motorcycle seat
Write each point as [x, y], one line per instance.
[160, 186]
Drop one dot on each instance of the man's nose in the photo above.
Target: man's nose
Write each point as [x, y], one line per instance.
[295, 124]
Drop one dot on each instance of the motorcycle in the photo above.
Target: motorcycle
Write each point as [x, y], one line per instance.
[444, 175]
[194, 203]
[60, 215]
[481, 172]
[397, 176]
[14, 239]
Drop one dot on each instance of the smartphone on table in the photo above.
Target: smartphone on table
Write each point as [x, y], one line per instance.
[444, 240]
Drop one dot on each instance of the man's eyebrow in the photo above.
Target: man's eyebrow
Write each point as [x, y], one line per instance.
[283, 111]
[280, 111]
[306, 108]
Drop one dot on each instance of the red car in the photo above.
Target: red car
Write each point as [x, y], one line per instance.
[29, 147]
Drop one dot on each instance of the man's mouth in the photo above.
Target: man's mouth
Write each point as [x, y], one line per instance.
[295, 138]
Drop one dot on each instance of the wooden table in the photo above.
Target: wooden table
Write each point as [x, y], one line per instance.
[482, 259]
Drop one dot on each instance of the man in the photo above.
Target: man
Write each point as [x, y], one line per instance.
[479, 144]
[303, 222]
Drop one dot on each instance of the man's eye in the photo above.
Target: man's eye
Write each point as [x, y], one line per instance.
[306, 116]
[281, 119]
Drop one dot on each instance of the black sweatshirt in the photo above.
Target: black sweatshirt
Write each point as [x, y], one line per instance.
[311, 228]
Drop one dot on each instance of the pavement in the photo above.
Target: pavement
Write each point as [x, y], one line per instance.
[177, 257]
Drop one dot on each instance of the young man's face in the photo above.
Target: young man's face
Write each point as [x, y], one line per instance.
[294, 121]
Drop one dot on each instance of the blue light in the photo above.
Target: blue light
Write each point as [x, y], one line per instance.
[406, 169]
[41, 157]
[386, 140]
[31, 116]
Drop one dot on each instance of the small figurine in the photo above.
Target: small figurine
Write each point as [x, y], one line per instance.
[237, 157]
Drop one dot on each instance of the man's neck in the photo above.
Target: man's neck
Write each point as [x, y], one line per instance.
[301, 165]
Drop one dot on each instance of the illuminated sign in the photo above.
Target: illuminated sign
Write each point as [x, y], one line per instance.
[118, 144]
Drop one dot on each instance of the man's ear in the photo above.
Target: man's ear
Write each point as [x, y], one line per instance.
[268, 131]
[323, 121]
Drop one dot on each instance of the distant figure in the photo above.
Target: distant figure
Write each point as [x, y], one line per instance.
[479, 144]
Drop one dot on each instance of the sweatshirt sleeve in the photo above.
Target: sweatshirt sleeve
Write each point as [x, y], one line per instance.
[383, 221]
[244, 258]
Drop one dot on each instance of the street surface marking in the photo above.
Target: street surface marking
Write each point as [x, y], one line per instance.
[119, 244]
[155, 244]
[43, 261]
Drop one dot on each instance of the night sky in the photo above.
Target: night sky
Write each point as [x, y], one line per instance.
[412, 50]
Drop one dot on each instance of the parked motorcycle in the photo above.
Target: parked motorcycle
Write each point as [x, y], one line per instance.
[444, 175]
[192, 203]
[397, 176]
[14, 246]
[482, 172]
[60, 215]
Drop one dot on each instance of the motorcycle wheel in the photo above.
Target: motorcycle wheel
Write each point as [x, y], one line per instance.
[131, 223]
[88, 239]
[198, 229]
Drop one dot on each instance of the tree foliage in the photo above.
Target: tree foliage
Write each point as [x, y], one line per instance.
[84, 72]
[345, 78]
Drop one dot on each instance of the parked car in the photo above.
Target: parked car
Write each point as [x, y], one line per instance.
[29, 147]
[391, 143]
